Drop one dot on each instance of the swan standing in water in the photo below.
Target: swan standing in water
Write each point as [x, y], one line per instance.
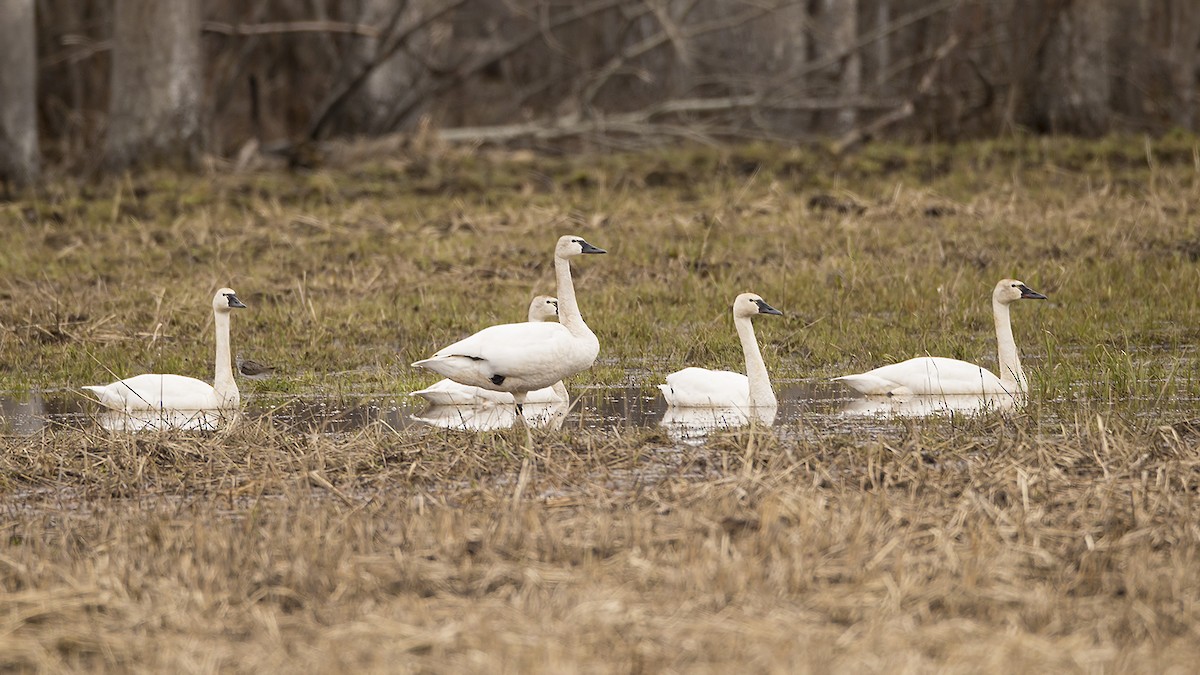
[176, 392]
[935, 375]
[700, 387]
[450, 393]
[521, 357]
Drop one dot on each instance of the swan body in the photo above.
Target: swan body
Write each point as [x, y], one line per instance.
[935, 375]
[450, 393]
[520, 357]
[176, 392]
[701, 387]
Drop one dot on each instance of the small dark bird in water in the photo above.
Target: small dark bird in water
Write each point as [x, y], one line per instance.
[253, 370]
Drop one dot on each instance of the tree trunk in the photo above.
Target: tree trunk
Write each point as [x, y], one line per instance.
[154, 106]
[1185, 26]
[19, 160]
[836, 32]
[387, 84]
[1070, 88]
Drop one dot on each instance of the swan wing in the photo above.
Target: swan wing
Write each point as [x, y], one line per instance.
[701, 387]
[929, 375]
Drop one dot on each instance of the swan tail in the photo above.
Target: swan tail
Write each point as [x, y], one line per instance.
[105, 396]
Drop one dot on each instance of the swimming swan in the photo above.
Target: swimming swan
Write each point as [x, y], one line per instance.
[521, 357]
[935, 375]
[449, 392]
[176, 392]
[700, 387]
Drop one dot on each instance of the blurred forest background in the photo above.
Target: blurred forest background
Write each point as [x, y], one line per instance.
[105, 84]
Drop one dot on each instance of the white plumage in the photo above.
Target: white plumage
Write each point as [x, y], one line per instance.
[520, 357]
[447, 392]
[176, 392]
[701, 387]
[935, 375]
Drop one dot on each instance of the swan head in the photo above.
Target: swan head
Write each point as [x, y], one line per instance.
[543, 308]
[225, 300]
[571, 245]
[750, 304]
[1010, 290]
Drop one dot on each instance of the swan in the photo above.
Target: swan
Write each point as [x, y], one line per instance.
[448, 392]
[700, 387]
[927, 406]
[521, 357]
[176, 392]
[935, 375]
[549, 416]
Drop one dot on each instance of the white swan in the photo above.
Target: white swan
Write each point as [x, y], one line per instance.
[449, 392]
[521, 357]
[700, 387]
[935, 375]
[927, 406]
[176, 392]
[548, 416]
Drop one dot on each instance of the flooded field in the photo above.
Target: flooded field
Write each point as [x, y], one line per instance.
[822, 405]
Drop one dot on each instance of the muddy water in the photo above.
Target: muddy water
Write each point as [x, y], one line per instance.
[589, 409]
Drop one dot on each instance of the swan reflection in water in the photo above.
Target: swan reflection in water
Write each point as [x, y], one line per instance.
[926, 406]
[696, 422]
[491, 417]
[165, 420]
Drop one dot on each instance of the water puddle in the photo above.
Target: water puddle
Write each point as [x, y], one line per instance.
[603, 409]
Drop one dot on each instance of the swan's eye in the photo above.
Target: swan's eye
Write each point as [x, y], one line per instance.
[1016, 285]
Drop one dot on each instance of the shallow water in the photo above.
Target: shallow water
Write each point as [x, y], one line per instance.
[593, 409]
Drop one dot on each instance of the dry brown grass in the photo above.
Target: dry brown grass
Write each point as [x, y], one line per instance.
[1064, 537]
[988, 547]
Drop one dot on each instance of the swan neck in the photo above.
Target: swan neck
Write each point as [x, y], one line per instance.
[568, 307]
[756, 369]
[1006, 347]
[223, 381]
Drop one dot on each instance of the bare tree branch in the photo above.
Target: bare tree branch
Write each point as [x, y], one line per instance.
[645, 121]
[280, 27]
[906, 110]
[435, 87]
[397, 42]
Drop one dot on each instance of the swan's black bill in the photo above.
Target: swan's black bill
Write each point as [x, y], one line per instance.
[234, 302]
[588, 248]
[764, 308]
[1028, 293]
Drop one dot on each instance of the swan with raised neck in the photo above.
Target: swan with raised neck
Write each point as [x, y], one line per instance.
[520, 357]
[935, 375]
[177, 392]
[701, 387]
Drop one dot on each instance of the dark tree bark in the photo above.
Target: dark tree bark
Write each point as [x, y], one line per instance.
[19, 156]
[836, 29]
[1068, 87]
[154, 109]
